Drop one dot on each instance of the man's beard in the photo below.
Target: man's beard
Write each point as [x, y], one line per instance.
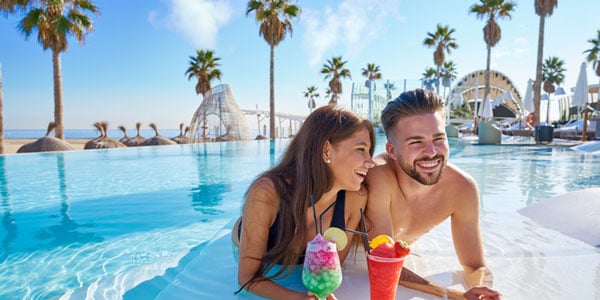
[427, 178]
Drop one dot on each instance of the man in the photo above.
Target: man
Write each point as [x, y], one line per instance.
[414, 188]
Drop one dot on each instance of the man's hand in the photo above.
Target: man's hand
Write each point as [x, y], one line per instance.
[482, 293]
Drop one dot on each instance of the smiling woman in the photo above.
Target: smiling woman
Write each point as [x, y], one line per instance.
[324, 165]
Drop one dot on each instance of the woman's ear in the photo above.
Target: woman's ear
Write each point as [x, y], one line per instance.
[326, 152]
[389, 149]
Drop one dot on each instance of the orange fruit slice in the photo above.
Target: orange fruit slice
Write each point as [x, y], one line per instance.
[380, 239]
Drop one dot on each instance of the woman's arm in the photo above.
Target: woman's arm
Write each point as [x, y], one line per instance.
[259, 213]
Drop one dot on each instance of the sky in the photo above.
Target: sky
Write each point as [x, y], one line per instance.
[132, 65]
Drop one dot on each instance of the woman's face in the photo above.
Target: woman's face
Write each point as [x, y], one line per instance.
[350, 160]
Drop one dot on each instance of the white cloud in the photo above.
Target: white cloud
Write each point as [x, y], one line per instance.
[521, 46]
[351, 25]
[199, 21]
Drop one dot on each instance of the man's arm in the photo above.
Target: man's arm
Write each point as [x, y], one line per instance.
[467, 236]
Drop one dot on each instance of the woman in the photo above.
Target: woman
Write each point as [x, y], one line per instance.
[331, 154]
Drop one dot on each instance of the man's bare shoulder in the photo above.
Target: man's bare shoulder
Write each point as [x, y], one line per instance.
[457, 176]
[383, 172]
[459, 186]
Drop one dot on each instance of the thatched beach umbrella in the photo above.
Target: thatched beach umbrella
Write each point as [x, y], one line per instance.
[92, 143]
[137, 140]
[182, 138]
[103, 142]
[157, 139]
[46, 143]
[125, 139]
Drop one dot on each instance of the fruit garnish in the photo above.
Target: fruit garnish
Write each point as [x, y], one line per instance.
[337, 236]
[384, 250]
[380, 239]
[402, 248]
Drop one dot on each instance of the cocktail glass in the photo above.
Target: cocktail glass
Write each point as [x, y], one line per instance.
[322, 273]
[384, 273]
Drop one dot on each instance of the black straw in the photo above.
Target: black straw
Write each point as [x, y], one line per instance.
[362, 218]
[312, 202]
[321, 216]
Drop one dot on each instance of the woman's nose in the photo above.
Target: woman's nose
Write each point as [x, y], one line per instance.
[369, 162]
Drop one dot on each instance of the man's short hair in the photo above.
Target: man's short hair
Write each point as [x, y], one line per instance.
[410, 103]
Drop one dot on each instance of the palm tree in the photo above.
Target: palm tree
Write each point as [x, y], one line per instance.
[552, 74]
[443, 41]
[372, 72]
[273, 30]
[492, 10]
[389, 87]
[9, 6]
[448, 73]
[543, 8]
[429, 78]
[54, 21]
[329, 94]
[334, 69]
[311, 94]
[593, 53]
[205, 68]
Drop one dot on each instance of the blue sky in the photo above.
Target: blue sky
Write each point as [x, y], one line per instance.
[131, 68]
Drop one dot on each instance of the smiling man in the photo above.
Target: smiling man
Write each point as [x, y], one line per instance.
[415, 188]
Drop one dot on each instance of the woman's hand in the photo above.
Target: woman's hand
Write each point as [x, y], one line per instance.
[312, 296]
[482, 293]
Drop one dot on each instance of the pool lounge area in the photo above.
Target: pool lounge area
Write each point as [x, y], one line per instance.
[153, 222]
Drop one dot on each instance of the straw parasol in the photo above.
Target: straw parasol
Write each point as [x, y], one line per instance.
[580, 97]
[125, 139]
[157, 139]
[103, 142]
[182, 137]
[528, 105]
[137, 140]
[46, 143]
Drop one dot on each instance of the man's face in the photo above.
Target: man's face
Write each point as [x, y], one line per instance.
[420, 147]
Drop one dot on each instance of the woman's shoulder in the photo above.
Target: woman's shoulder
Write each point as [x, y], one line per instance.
[263, 189]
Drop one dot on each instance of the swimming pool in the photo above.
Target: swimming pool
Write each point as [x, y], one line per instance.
[119, 223]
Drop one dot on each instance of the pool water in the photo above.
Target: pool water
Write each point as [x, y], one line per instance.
[117, 222]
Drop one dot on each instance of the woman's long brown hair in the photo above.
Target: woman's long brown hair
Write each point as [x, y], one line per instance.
[300, 174]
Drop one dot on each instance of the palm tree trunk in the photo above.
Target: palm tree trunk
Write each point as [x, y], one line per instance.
[486, 92]
[1, 116]
[58, 104]
[437, 80]
[537, 84]
[272, 133]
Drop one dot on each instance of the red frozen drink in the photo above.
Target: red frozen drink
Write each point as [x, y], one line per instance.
[385, 264]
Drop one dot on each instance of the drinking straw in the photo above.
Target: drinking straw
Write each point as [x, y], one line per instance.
[363, 234]
[362, 218]
[321, 216]
[312, 202]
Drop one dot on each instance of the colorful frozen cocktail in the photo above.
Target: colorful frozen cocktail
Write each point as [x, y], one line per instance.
[322, 273]
[385, 262]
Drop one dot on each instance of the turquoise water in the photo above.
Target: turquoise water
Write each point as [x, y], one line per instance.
[117, 220]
